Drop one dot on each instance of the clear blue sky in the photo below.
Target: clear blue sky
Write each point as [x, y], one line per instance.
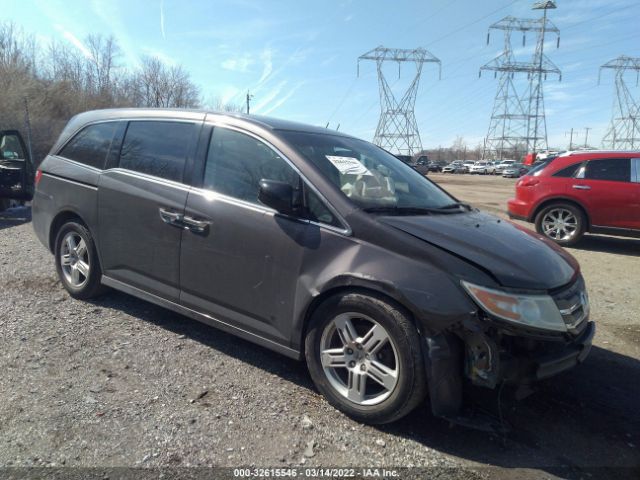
[298, 57]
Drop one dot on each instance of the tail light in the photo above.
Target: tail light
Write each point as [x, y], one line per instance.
[38, 176]
[528, 182]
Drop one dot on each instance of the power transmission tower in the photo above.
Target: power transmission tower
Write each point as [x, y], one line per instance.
[624, 129]
[518, 122]
[537, 124]
[397, 129]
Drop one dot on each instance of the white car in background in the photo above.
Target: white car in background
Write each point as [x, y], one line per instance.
[502, 165]
[480, 168]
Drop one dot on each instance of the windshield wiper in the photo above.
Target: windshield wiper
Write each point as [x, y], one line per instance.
[466, 206]
[410, 210]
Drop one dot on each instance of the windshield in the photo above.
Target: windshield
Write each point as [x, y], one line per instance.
[367, 175]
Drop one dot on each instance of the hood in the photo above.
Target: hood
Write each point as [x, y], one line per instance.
[515, 256]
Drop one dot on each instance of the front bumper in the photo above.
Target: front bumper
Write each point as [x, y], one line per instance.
[538, 366]
[503, 356]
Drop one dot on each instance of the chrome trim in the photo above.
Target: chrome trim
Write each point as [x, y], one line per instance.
[123, 119]
[213, 195]
[80, 184]
[151, 178]
[344, 231]
[570, 310]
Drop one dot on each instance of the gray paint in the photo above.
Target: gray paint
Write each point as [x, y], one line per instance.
[258, 273]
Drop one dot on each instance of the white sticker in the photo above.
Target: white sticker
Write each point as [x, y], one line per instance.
[348, 165]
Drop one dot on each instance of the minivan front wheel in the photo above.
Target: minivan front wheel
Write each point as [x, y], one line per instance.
[364, 356]
[561, 222]
[77, 262]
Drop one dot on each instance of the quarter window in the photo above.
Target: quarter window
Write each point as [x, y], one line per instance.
[91, 145]
[157, 148]
[612, 169]
[569, 171]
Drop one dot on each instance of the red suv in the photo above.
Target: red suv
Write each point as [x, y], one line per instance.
[578, 192]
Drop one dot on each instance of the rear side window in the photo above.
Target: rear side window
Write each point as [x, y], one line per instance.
[91, 145]
[569, 171]
[157, 148]
[612, 169]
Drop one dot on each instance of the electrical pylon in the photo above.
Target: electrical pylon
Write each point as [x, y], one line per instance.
[518, 121]
[537, 122]
[624, 129]
[397, 129]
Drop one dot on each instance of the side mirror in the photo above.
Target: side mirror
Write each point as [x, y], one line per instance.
[277, 195]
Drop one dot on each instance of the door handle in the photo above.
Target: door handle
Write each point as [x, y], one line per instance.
[581, 187]
[195, 225]
[170, 217]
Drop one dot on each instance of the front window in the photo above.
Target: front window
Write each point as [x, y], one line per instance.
[370, 177]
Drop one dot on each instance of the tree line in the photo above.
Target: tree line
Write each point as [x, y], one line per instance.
[43, 85]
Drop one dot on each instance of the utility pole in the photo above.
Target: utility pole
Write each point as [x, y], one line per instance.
[624, 128]
[27, 121]
[249, 97]
[586, 135]
[397, 129]
[570, 138]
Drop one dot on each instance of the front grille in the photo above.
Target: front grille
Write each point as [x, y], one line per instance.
[573, 303]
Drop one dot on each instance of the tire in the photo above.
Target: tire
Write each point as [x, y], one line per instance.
[573, 223]
[387, 374]
[81, 281]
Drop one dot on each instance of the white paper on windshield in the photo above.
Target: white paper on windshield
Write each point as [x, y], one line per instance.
[348, 165]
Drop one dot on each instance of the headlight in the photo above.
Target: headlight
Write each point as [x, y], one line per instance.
[539, 311]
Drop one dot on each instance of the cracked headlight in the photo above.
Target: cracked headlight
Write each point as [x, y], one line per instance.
[539, 311]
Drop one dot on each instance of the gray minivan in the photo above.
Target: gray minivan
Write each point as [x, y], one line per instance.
[315, 244]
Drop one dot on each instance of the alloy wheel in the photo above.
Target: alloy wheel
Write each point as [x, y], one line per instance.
[559, 224]
[74, 259]
[359, 358]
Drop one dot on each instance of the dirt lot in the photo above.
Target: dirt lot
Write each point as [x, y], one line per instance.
[120, 382]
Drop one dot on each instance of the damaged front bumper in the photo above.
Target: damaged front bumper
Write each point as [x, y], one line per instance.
[498, 355]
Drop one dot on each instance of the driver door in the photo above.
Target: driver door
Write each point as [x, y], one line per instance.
[16, 169]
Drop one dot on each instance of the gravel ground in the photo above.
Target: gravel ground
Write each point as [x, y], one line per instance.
[120, 382]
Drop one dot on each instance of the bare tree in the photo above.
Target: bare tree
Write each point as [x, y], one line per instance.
[157, 85]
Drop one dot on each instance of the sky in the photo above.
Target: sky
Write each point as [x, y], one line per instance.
[298, 58]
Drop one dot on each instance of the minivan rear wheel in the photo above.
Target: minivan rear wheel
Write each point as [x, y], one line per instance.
[561, 222]
[364, 356]
[77, 261]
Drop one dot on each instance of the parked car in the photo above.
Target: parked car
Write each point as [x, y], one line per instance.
[502, 165]
[317, 245]
[437, 165]
[515, 170]
[469, 164]
[455, 167]
[491, 167]
[422, 165]
[580, 192]
[16, 169]
[479, 168]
